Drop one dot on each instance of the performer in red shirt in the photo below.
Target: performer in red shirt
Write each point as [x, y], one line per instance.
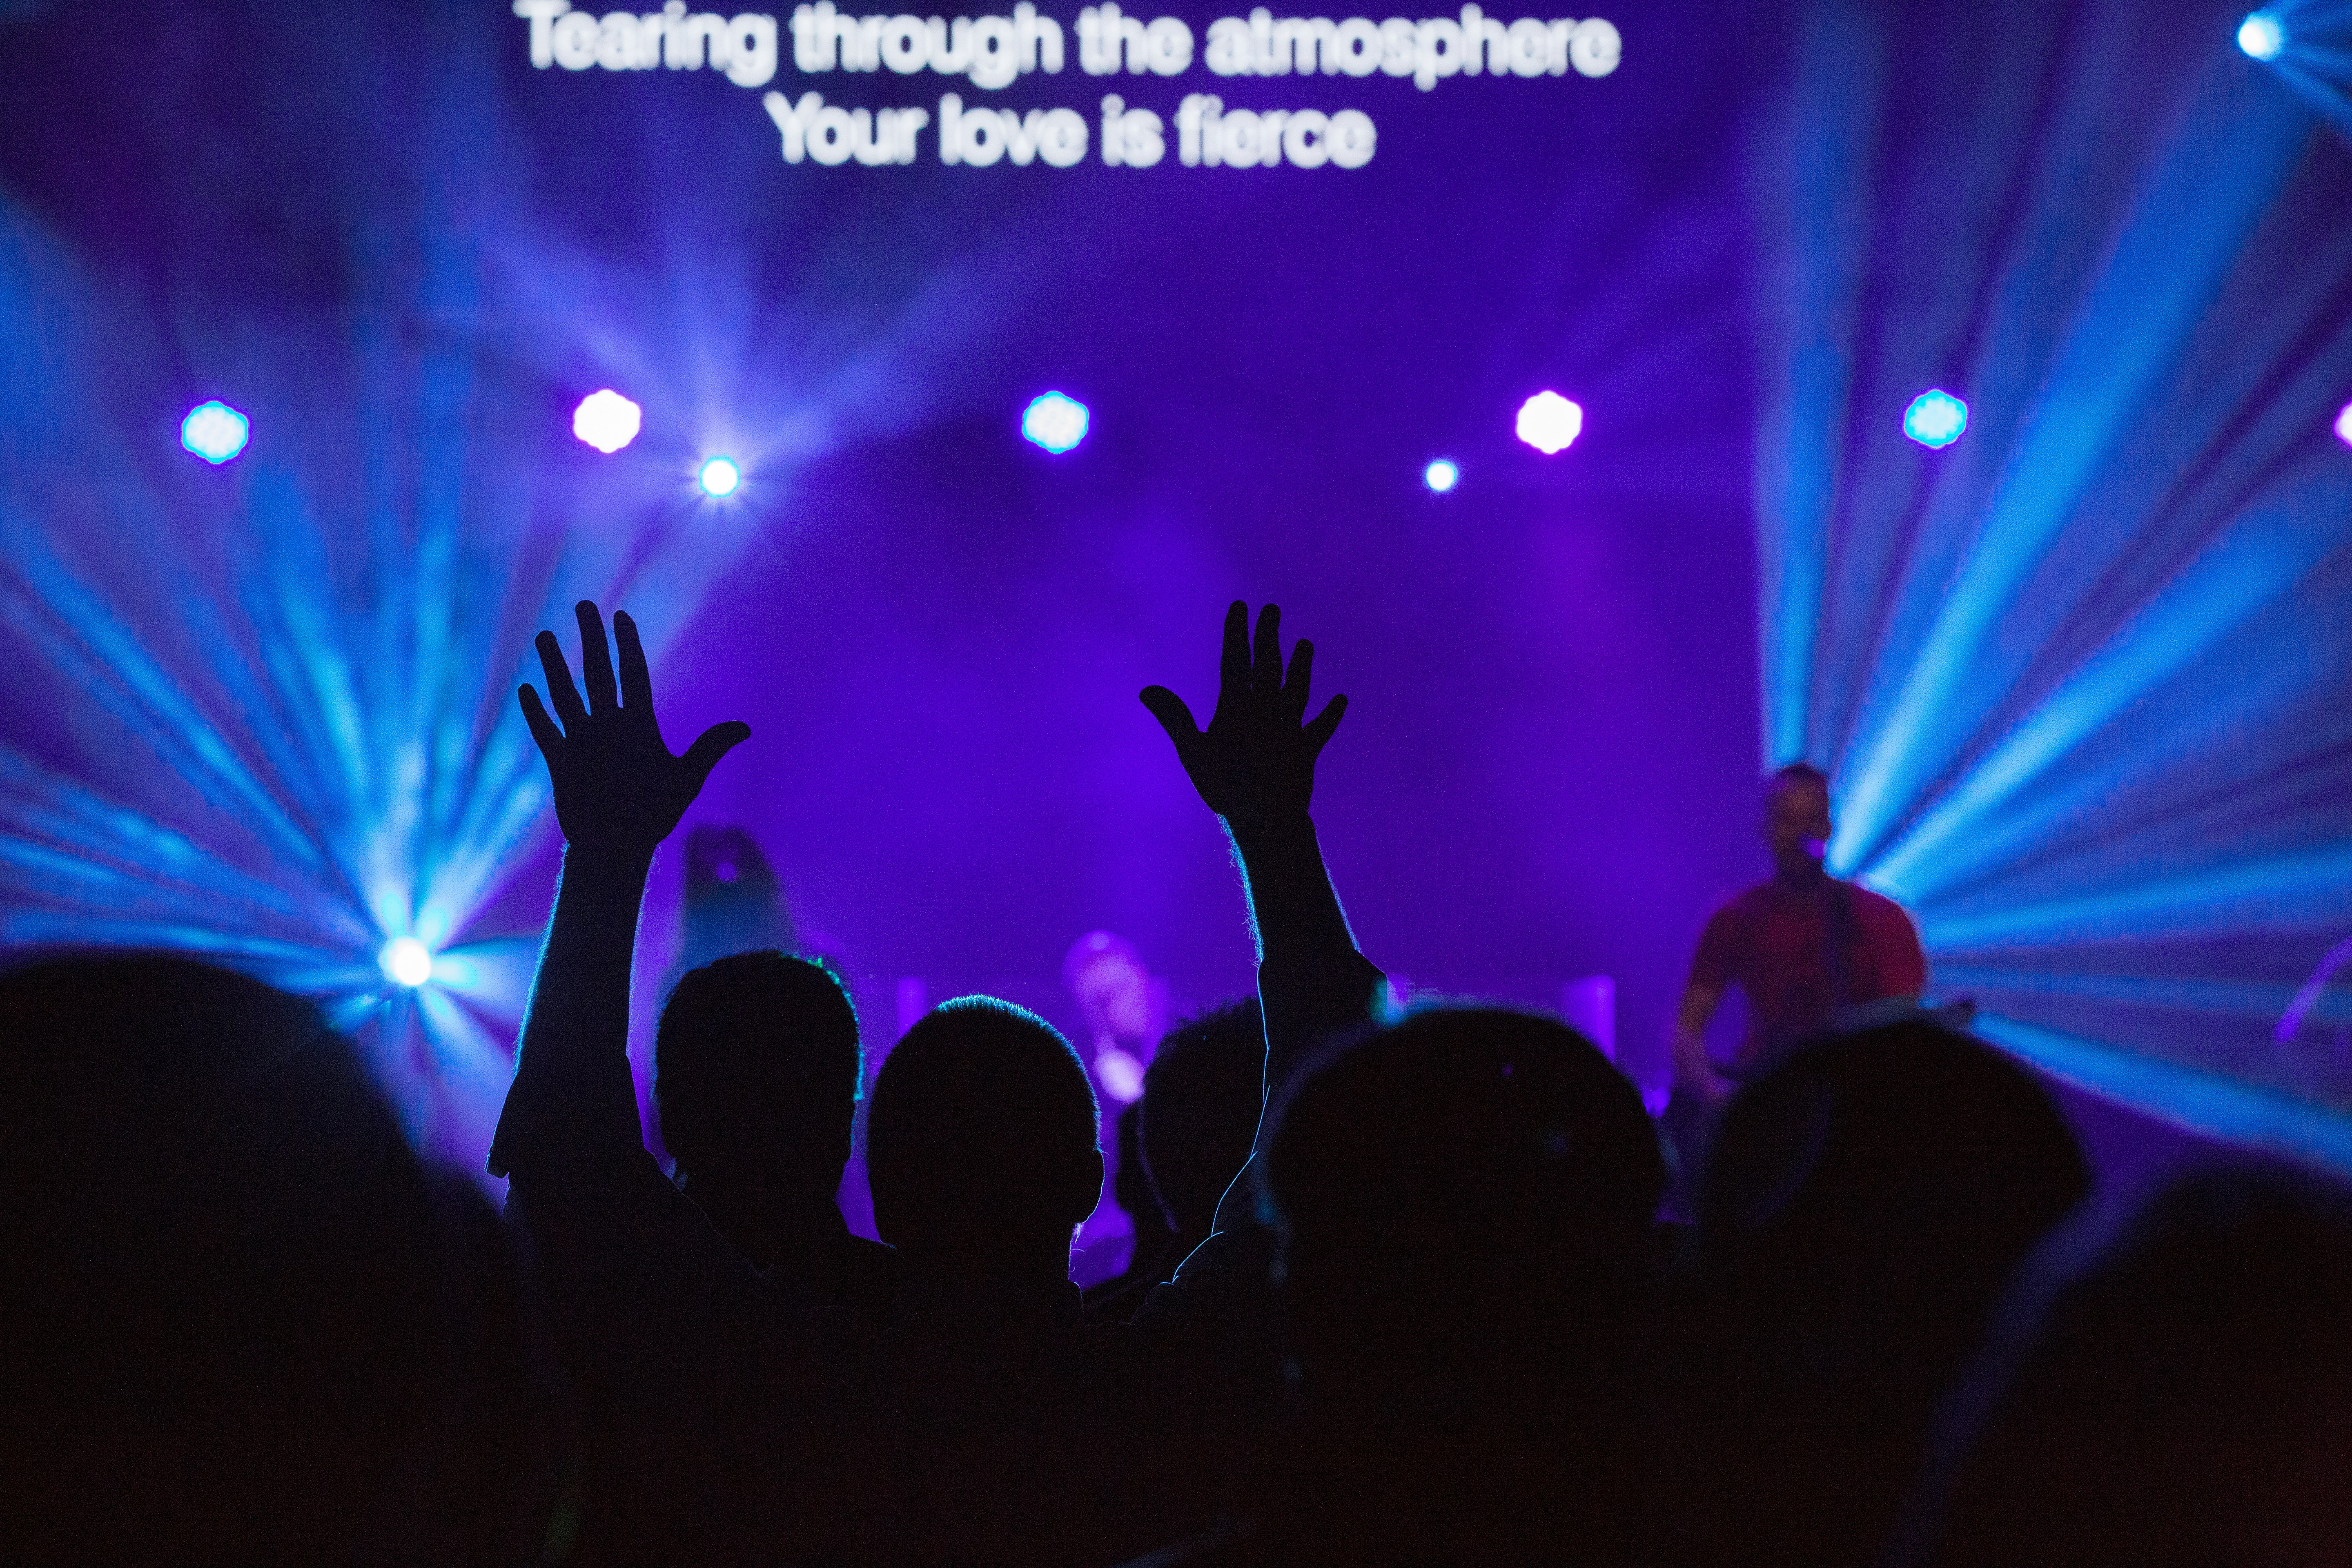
[1805, 947]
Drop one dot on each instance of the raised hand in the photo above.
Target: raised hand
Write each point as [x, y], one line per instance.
[616, 785]
[1255, 762]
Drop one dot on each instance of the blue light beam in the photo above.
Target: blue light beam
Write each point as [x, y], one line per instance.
[2213, 182]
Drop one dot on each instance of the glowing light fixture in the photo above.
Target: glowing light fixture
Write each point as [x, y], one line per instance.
[215, 432]
[1549, 422]
[1442, 474]
[2260, 36]
[406, 961]
[606, 420]
[1935, 418]
[2343, 425]
[718, 477]
[1054, 421]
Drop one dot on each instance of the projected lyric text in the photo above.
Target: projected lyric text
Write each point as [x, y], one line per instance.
[990, 53]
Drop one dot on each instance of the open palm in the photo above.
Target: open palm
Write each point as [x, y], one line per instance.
[1256, 760]
[616, 784]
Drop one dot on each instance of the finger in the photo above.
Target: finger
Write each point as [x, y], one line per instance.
[1320, 731]
[1233, 666]
[1175, 716]
[710, 746]
[637, 681]
[542, 728]
[560, 690]
[1295, 681]
[1266, 658]
[595, 659]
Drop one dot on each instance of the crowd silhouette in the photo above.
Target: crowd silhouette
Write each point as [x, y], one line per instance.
[1401, 1291]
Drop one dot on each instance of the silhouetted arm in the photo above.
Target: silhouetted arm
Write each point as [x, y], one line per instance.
[573, 1107]
[1255, 767]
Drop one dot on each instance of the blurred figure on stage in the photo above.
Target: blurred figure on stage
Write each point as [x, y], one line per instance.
[1807, 951]
[1123, 1011]
[1125, 1008]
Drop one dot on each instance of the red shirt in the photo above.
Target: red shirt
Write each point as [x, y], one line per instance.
[1773, 941]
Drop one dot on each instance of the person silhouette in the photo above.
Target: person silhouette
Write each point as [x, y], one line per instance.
[1201, 1108]
[1865, 1203]
[1464, 1206]
[1193, 1132]
[246, 1323]
[1254, 766]
[1212, 1324]
[1804, 948]
[2167, 1387]
[997, 1426]
[659, 1319]
[757, 1071]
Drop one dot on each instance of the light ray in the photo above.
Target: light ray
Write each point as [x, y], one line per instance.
[2261, 558]
[2217, 176]
[2309, 891]
[2205, 1103]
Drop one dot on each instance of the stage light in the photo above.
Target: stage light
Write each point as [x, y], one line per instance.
[1549, 422]
[606, 420]
[1054, 421]
[1935, 418]
[406, 962]
[1441, 476]
[2343, 425]
[718, 477]
[215, 432]
[2260, 36]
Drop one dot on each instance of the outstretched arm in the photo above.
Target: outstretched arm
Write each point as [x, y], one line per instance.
[1255, 767]
[618, 794]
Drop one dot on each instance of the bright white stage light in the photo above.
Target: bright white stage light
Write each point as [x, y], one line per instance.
[406, 961]
[2260, 36]
[1935, 418]
[1441, 476]
[606, 420]
[718, 477]
[215, 432]
[1054, 421]
[1549, 422]
[2343, 425]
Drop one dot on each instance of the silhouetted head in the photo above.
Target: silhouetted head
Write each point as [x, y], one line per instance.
[1797, 820]
[2177, 1390]
[756, 1073]
[1463, 1198]
[1201, 1103]
[1865, 1201]
[980, 1142]
[244, 1323]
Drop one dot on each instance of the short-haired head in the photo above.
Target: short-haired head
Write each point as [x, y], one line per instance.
[981, 1138]
[1457, 1190]
[1201, 1096]
[757, 1068]
[1887, 1182]
[1797, 775]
